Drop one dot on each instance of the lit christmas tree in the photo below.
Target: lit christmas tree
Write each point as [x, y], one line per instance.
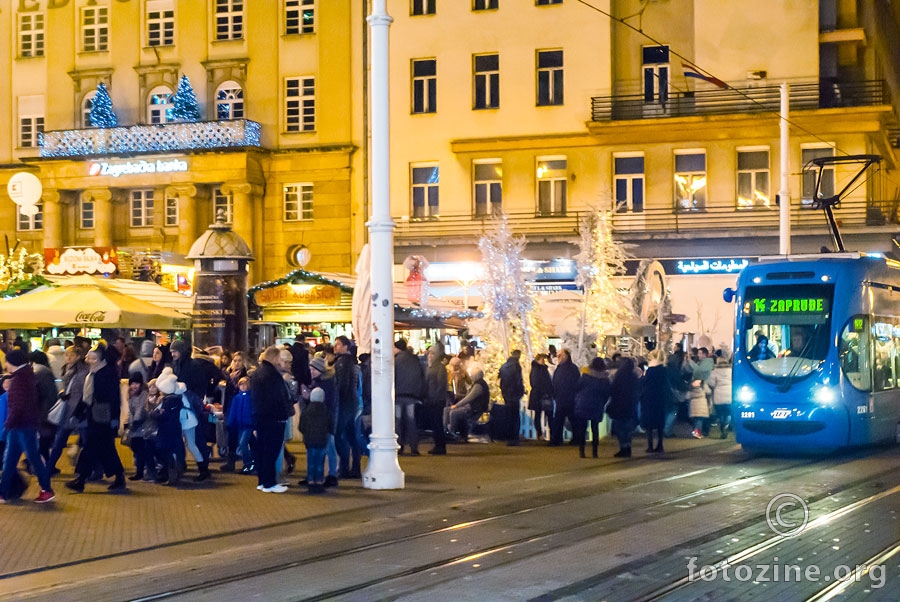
[511, 319]
[185, 102]
[102, 114]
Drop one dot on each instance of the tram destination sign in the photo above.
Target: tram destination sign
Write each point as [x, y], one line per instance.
[794, 305]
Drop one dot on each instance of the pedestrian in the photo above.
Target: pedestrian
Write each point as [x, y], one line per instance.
[48, 393]
[23, 418]
[56, 355]
[540, 398]
[470, 407]
[144, 361]
[271, 409]
[138, 409]
[565, 386]
[323, 378]
[287, 461]
[622, 407]
[365, 375]
[169, 446]
[678, 375]
[409, 391]
[349, 395]
[512, 388]
[656, 403]
[240, 422]
[436, 398]
[698, 409]
[316, 424]
[239, 367]
[590, 400]
[102, 399]
[300, 360]
[190, 417]
[720, 384]
[76, 370]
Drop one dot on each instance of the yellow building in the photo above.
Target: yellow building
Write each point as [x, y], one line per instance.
[275, 146]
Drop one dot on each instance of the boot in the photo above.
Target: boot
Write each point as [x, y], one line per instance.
[137, 476]
[594, 449]
[650, 441]
[581, 451]
[119, 483]
[76, 484]
[204, 472]
[228, 466]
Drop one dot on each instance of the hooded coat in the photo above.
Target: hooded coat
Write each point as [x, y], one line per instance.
[541, 385]
[656, 397]
[592, 395]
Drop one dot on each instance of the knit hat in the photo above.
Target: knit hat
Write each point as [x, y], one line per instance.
[16, 357]
[317, 395]
[318, 363]
[136, 377]
[147, 348]
[181, 346]
[167, 381]
[400, 344]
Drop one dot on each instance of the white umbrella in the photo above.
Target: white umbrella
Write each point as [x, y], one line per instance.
[361, 312]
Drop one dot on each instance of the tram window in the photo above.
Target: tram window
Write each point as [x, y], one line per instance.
[854, 352]
[884, 375]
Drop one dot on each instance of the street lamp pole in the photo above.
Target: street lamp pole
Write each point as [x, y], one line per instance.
[383, 470]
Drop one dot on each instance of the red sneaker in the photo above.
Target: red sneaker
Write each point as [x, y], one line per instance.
[45, 496]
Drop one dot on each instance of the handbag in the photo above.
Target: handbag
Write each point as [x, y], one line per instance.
[548, 405]
[126, 436]
[57, 413]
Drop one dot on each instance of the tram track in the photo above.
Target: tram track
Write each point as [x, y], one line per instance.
[500, 546]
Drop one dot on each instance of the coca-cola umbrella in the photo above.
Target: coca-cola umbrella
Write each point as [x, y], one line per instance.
[88, 305]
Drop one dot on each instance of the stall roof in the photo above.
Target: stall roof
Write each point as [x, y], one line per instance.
[146, 291]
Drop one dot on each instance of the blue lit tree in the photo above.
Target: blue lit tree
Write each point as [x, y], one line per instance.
[185, 102]
[102, 114]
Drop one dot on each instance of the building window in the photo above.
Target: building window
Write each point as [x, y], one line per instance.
[423, 7]
[299, 16]
[811, 173]
[31, 34]
[655, 80]
[229, 19]
[425, 193]
[31, 222]
[86, 215]
[690, 181]
[298, 202]
[300, 104]
[424, 86]
[171, 210]
[86, 104]
[487, 81]
[485, 4]
[160, 105]
[141, 208]
[230, 101]
[753, 178]
[547, 2]
[29, 128]
[549, 77]
[160, 22]
[628, 182]
[223, 202]
[551, 180]
[94, 28]
[487, 176]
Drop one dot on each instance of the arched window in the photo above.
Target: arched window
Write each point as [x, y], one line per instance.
[229, 101]
[86, 103]
[160, 103]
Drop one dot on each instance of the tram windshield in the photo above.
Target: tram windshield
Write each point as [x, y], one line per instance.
[786, 329]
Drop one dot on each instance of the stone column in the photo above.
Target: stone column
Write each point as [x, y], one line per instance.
[243, 195]
[52, 219]
[187, 215]
[103, 215]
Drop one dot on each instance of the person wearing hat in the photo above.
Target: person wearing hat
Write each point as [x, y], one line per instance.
[170, 451]
[138, 409]
[317, 426]
[323, 378]
[22, 421]
[142, 364]
[102, 396]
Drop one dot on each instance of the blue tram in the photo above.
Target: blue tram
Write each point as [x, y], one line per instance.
[817, 353]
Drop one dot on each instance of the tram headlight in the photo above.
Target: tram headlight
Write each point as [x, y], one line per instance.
[825, 395]
[746, 395]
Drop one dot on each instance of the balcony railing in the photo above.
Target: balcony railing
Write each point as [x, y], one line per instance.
[161, 138]
[650, 221]
[740, 100]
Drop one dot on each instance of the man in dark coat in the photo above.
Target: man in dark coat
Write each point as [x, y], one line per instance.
[541, 393]
[512, 388]
[346, 376]
[409, 390]
[272, 407]
[656, 400]
[436, 397]
[22, 421]
[48, 393]
[565, 387]
[300, 363]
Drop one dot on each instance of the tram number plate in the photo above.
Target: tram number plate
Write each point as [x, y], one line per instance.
[781, 413]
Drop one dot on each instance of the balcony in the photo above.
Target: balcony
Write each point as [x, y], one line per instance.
[741, 100]
[138, 139]
[457, 227]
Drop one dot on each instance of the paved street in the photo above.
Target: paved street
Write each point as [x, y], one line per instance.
[485, 522]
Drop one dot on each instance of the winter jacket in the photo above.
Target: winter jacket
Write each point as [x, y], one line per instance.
[625, 391]
[199, 374]
[409, 379]
[56, 355]
[4, 408]
[512, 387]
[656, 397]
[316, 424]
[436, 381]
[541, 385]
[106, 392]
[167, 415]
[24, 410]
[477, 399]
[271, 400]
[592, 395]
[300, 363]
[565, 384]
[720, 384]
[45, 382]
[346, 377]
[240, 414]
[137, 413]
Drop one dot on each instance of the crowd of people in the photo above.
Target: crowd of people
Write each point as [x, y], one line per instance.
[184, 403]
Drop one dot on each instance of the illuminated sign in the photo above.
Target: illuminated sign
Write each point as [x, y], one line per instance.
[812, 305]
[96, 260]
[299, 294]
[127, 168]
[710, 266]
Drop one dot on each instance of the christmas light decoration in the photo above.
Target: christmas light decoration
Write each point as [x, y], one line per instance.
[185, 102]
[102, 114]
[20, 271]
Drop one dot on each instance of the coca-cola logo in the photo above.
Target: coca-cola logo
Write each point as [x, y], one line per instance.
[90, 316]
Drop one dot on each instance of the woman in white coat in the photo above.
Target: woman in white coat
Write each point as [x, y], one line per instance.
[720, 384]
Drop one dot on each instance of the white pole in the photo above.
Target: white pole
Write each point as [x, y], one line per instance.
[784, 230]
[383, 470]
